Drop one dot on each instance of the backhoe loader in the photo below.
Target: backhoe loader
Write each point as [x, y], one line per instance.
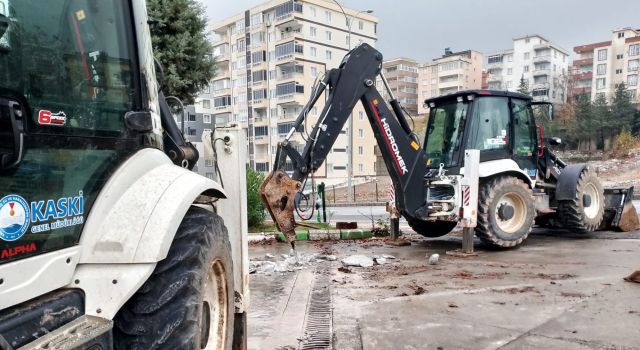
[518, 179]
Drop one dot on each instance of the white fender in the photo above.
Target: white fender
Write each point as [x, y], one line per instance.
[494, 167]
[137, 213]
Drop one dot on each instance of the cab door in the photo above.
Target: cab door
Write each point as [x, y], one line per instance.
[524, 136]
[69, 68]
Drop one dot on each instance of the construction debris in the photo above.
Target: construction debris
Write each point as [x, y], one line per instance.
[433, 259]
[380, 260]
[358, 261]
[289, 263]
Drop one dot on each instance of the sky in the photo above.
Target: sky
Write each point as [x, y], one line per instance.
[423, 29]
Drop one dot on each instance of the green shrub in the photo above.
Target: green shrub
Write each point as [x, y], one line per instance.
[255, 208]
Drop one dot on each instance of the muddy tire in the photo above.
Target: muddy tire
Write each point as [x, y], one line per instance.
[584, 213]
[506, 212]
[432, 228]
[187, 303]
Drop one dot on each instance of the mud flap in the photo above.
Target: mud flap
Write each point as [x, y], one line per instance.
[619, 212]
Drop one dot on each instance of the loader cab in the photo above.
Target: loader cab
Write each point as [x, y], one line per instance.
[70, 74]
[500, 124]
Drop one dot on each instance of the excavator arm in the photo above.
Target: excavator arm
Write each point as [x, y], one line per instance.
[352, 82]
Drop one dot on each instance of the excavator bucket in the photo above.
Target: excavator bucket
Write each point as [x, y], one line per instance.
[278, 192]
[619, 212]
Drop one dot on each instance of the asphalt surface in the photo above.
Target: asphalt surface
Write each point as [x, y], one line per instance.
[557, 291]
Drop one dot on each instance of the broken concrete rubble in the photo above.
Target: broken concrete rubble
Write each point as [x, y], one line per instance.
[358, 261]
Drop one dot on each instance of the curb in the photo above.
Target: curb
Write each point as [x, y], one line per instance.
[321, 235]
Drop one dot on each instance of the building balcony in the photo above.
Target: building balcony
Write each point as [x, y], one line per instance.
[541, 58]
[581, 90]
[495, 65]
[542, 46]
[261, 140]
[222, 56]
[583, 76]
[287, 20]
[288, 37]
[290, 76]
[494, 78]
[259, 84]
[222, 109]
[583, 62]
[222, 92]
[292, 99]
[260, 104]
[448, 84]
[541, 72]
[541, 85]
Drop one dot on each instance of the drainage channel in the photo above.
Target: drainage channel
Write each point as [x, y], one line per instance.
[318, 330]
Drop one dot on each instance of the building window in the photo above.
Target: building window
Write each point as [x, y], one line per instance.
[601, 69]
[222, 101]
[209, 175]
[314, 72]
[339, 150]
[618, 71]
[327, 16]
[619, 56]
[361, 115]
[600, 82]
[289, 48]
[192, 132]
[191, 117]
[208, 163]
[328, 35]
[262, 167]
[361, 133]
[261, 130]
[526, 41]
[526, 69]
[314, 52]
[509, 71]
[526, 55]
[206, 103]
[634, 65]
[206, 118]
[361, 25]
[602, 55]
[328, 54]
[361, 167]
[509, 58]
[360, 150]
[312, 31]
[621, 35]
[632, 80]
[634, 50]
[313, 11]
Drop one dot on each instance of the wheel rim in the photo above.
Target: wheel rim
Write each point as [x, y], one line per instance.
[592, 210]
[513, 224]
[214, 317]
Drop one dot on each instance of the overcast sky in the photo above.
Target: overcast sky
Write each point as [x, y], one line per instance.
[421, 29]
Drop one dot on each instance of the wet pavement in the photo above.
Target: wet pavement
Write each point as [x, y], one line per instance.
[557, 291]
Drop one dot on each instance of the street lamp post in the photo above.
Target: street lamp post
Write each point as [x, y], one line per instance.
[349, 20]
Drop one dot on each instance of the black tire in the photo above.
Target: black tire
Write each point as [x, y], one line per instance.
[492, 229]
[574, 214]
[432, 229]
[167, 311]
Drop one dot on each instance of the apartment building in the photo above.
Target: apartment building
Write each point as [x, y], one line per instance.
[581, 69]
[402, 77]
[542, 64]
[614, 62]
[269, 59]
[454, 71]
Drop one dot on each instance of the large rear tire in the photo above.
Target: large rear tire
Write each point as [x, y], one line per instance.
[432, 229]
[584, 213]
[187, 303]
[506, 212]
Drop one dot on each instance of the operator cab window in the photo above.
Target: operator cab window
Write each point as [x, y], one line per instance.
[490, 129]
[524, 128]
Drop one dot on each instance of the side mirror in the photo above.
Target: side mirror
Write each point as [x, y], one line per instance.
[554, 141]
[139, 121]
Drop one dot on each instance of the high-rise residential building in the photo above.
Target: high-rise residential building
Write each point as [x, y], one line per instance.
[581, 70]
[402, 76]
[614, 62]
[542, 64]
[454, 71]
[269, 59]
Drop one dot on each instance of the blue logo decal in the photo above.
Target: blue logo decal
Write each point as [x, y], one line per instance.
[14, 217]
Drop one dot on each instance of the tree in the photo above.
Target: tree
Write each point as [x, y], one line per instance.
[622, 110]
[181, 45]
[603, 126]
[584, 121]
[523, 87]
[255, 208]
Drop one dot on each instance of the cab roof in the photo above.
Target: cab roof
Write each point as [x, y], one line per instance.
[499, 93]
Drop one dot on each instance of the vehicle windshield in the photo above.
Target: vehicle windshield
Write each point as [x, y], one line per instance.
[67, 59]
[444, 133]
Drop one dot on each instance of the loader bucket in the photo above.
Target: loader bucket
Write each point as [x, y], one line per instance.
[619, 212]
[278, 192]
